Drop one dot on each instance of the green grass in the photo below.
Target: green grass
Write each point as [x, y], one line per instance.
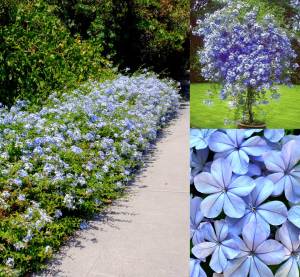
[282, 113]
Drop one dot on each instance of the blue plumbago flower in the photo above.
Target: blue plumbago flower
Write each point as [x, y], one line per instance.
[265, 233]
[76, 149]
[284, 171]
[198, 159]
[288, 235]
[195, 220]
[195, 268]
[256, 253]
[274, 135]
[199, 138]
[261, 214]
[294, 215]
[233, 146]
[226, 191]
[218, 244]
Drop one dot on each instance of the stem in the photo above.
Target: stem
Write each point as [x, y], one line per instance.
[249, 104]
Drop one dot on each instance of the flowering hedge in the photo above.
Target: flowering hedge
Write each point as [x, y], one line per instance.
[245, 212]
[64, 162]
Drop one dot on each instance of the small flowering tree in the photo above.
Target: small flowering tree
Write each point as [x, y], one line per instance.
[247, 55]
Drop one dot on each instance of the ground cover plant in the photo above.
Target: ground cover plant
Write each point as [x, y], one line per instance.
[209, 111]
[245, 193]
[246, 54]
[62, 163]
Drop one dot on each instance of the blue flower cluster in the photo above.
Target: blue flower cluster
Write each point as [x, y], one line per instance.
[295, 4]
[244, 207]
[65, 158]
[243, 52]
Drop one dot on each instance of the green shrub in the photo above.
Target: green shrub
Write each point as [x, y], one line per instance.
[37, 55]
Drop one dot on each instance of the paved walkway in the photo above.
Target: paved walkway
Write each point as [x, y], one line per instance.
[146, 234]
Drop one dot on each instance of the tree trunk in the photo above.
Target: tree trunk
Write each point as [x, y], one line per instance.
[249, 105]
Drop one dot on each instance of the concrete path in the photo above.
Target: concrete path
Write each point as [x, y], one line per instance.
[145, 234]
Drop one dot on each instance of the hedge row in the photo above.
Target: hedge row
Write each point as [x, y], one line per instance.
[61, 164]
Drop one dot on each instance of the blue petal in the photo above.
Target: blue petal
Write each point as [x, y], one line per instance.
[230, 248]
[195, 214]
[274, 161]
[212, 205]
[291, 153]
[255, 146]
[220, 142]
[278, 181]
[204, 249]
[288, 234]
[294, 215]
[239, 161]
[218, 261]
[288, 269]
[206, 183]
[234, 206]
[221, 229]
[254, 235]
[210, 233]
[274, 135]
[196, 269]
[242, 186]
[222, 172]
[274, 212]
[292, 188]
[263, 189]
[271, 252]
[238, 267]
[236, 136]
[259, 269]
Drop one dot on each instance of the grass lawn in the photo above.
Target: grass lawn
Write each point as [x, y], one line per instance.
[282, 113]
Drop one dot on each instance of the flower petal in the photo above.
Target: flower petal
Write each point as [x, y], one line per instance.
[254, 235]
[220, 142]
[196, 269]
[218, 261]
[278, 181]
[292, 188]
[239, 161]
[238, 267]
[274, 135]
[274, 161]
[255, 146]
[242, 186]
[259, 269]
[271, 252]
[291, 153]
[222, 172]
[234, 206]
[230, 248]
[221, 228]
[274, 212]
[204, 249]
[212, 205]
[206, 183]
[288, 234]
[288, 269]
[294, 215]
[263, 189]
[195, 214]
